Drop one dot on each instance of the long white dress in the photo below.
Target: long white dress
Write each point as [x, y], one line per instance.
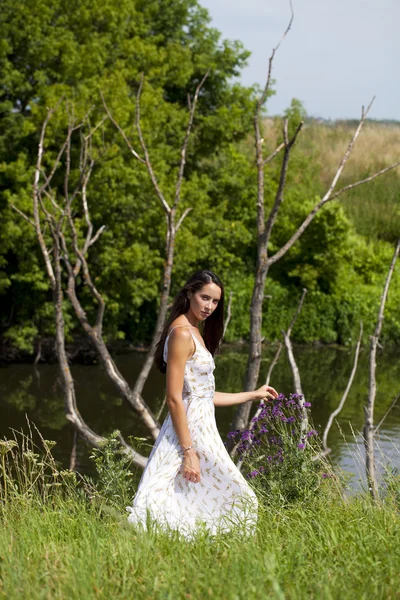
[222, 499]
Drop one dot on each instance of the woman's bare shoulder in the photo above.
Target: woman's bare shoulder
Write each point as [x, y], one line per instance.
[180, 339]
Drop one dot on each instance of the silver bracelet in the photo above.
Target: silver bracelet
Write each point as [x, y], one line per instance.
[186, 449]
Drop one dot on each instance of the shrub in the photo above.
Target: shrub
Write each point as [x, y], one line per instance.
[279, 454]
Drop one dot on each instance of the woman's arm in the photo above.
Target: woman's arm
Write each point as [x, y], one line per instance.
[265, 392]
[180, 348]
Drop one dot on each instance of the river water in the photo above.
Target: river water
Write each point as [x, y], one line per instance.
[35, 393]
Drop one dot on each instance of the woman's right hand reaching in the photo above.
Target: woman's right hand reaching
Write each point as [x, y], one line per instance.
[190, 467]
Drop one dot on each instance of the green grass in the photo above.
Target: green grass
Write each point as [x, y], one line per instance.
[66, 538]
[329, 548]
[373, 208]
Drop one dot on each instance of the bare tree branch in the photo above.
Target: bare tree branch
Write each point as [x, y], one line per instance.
[366, 180]
[146, 153]
[369, 409]
[286, 335]
[329, 194]
[97, 235]
[23, 215]
[271, 58]
[182, 217]
[229, 314]
[36, 195]
[376, 429]
[273, 363]
[122, 132]
[186, 140]
[335, 413]
[289, 348]
[274, 153]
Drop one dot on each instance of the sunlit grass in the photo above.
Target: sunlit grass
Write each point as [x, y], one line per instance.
[67, 541]
[374, 208]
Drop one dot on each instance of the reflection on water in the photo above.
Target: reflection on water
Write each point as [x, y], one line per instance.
[324, 371]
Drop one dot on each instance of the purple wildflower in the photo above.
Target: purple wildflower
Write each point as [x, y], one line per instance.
[233, 434]
[301, 446]
[311, 433]
[307, 404]
[253, 473]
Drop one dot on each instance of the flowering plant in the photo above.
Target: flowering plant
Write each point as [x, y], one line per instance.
[277, 453]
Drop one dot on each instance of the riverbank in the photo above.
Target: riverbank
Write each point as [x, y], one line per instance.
[326, 548]
[81, 351]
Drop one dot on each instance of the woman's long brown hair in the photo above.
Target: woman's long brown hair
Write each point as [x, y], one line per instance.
[214, 324]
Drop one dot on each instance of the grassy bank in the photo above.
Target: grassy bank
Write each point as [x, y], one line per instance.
[329, 548]
[66, 536]
[373, 208]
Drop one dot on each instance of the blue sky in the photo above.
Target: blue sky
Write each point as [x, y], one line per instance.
[338, 54]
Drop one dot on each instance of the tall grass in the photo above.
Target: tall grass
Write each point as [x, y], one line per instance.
[71, 543]
[374, 208]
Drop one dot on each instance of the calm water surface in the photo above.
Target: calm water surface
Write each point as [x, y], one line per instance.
[36, 394]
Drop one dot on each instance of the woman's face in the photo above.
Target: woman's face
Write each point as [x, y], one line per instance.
[204, 301]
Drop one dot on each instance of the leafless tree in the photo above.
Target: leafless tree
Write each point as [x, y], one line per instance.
[49, 214]
[72, 251]
[265, 225]
[369, 408]
[170, 208]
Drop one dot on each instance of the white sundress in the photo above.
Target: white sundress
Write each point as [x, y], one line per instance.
[222, 499]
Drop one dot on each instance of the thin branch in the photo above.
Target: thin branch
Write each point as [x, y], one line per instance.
[366, 180]
[186, 140]
[379, 323]
[95, 128]
[376, 429]
[335, 413]
[273, 363]
[23, 215]
[296, 314]
[97, 235]
[271, 58]
[164, 402]
[122, 132]
[36, 197]
[229, 314]
[146, 153]
[282, 179]
[182, 217]
[274, 153]
[50, 196]
[329, 194]
[49, 177]
[294, 367]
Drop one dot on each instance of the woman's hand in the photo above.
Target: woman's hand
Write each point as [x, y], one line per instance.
[266, 392]
[190, 467]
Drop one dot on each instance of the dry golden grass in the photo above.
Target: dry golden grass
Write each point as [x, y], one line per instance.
[374, 208]
[378, 146]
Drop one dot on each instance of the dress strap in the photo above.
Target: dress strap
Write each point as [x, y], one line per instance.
[176, 326]
[190, 329]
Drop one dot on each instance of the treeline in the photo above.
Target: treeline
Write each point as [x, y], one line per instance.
[71, 51]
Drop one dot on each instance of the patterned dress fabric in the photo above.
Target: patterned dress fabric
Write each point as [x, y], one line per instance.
[222, 499]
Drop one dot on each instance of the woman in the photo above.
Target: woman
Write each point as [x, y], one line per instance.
[190, 481]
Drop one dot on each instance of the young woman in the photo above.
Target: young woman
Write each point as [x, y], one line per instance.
[190, 480]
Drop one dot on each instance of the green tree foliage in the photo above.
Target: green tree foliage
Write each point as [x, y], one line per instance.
[53, 49]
